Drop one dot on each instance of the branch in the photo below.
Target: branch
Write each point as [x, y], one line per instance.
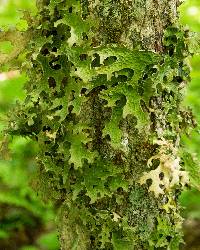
[18, 39]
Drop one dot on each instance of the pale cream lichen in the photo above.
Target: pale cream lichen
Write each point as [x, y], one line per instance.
[168, 174]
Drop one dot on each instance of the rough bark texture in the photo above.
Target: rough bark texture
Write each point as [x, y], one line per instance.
[139, 23]
[103, 102]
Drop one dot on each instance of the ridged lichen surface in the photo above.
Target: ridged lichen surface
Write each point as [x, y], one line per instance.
[106, 81]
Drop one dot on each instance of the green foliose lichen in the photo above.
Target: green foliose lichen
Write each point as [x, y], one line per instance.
[101, 113]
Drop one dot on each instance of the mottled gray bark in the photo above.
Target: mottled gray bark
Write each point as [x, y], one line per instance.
[135, 23]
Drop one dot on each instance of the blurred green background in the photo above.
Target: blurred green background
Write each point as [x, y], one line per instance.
[25, 222]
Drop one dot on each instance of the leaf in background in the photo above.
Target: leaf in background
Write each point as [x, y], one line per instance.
[191, 14]
[11, 12]
[193, 167]
[49, 241]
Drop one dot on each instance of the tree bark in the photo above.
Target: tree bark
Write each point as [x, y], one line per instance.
[103, 102]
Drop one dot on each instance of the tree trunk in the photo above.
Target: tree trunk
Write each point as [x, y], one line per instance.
[103, 102]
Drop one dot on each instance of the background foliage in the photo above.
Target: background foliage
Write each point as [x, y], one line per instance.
[190, 15]
[25, 222]
[190, 199]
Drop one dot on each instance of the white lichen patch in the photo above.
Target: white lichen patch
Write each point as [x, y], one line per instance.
[116, 217]
[74, 38]
[52, 136]
[168, 174]
[125, 142]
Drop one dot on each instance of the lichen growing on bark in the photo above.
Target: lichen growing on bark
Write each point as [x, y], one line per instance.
[105, 87]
